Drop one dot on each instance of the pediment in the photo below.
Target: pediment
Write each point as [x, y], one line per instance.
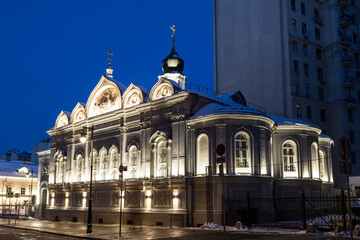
[163, 88]
[78, 113]
[133, 96]
[106, 97]
[62, 119]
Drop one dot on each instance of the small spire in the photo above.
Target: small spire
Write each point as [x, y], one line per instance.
[173, 35]
[109, 70]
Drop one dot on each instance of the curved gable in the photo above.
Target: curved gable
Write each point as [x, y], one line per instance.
[105, 97]
[161, 89]
[62, 119]
[78, 113]
[132, 96]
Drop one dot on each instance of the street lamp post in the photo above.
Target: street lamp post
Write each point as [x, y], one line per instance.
[83, 140]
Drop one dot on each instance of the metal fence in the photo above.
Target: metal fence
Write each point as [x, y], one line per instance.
[325, 212]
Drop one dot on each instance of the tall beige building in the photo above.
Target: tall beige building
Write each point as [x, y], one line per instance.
[299, 58]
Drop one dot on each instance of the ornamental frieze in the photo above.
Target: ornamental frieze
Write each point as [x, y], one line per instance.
[177, 117]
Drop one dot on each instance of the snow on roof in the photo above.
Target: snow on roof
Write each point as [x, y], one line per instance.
[144, 90]
[8, 168]
[175, 84]
[324, 136]
[121, 86]
[215, 109]
[290, 121]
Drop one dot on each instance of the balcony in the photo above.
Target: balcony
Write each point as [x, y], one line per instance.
[347, 61]
[349, 82]
[343, 3]
[345, 20]
[346, 40]
[318, 20]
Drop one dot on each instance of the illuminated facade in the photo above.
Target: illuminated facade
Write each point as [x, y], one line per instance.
[167, 139]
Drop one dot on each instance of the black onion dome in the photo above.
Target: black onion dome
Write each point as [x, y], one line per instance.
[173, 63]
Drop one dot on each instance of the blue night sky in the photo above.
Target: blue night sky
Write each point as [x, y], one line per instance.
[53, 53]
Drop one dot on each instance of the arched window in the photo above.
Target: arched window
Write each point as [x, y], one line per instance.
[315, 161]
[162, 159]
[242, 153]
[202, 153]
[323, 171]
[60, 167]
[113, 158]
[133, 161]
[289, 159]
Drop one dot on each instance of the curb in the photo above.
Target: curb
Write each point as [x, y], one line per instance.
[54, 233]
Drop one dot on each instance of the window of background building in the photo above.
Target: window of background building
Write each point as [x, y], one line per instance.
[293, 5]
[353, 158]
[355, 38]
[307, 90]
[316, 14]
[303, 28]
[296, 88]
[308, 112]
[353, 19]
[22, 192]
[303, 10]
[321, 93]
[293, 24]
[294, 45]
[317, 34]
[352, 136]
[346, 74]
[298, 110]
[322, 115]
[319, 74]
[351, 115]
[359, 96]
[296, 66]
[8, 189]
[356, 56]
[347, 94]
[318, 54]
[306, 69]
[358, 77]
[305, 49]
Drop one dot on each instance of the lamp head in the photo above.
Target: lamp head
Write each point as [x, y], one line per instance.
[83, 137]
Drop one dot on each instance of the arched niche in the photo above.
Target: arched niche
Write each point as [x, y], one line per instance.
[78, 113]
[105, 97]
[62, 119]
[133, 96]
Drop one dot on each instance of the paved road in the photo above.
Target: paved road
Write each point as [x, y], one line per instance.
[7, 233]
[20, 234]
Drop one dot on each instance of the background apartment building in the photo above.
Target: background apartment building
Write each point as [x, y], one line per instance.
[299, 58]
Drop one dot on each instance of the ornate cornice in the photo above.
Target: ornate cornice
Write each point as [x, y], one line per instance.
[177, 117]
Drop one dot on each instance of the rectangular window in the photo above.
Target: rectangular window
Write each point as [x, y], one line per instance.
[353, 19]
[303, 29]
[359, 96]
[319, 74]
[358, 77]
[8, 189]
[316, 14]
[318, 54]
[352, 136]
[305, 49]
[296, 88]
[296, 66]
[293, 24]
[303, 10]
[351, 115]
[298, 110]
[308, 112]
[307, 90]
[317, 34]
[293, 5]
[321, 93]
[294, 45]
[306, 69]
[348, 94]
[346, 74]
[353, 158]
[355, 38]
[22, 191]
[322, 115]
[356, 56]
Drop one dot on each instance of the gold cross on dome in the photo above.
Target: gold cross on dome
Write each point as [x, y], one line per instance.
[110, 54]
[174, 30]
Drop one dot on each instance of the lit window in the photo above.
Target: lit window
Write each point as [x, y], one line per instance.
[289, 159]
[162, 159]
[133, 161]
[323, 171]
[315, 161]
[242, 153]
